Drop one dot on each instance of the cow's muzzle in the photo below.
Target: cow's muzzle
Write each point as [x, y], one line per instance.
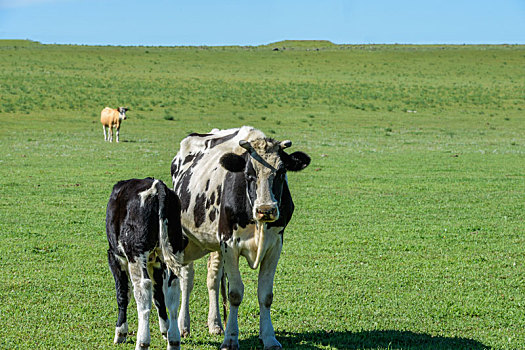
[266, 213]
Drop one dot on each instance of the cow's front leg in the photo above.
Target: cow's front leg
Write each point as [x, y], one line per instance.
[265, 296]
[215, 272]
[118, 129]
[235, 295]
[187, 274]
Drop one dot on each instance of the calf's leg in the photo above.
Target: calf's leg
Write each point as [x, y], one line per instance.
[172, 292]
[143, 291]
[122, 287]
[159, 299]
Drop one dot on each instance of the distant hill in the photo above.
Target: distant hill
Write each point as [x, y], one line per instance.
[18, 43]
[302, 44]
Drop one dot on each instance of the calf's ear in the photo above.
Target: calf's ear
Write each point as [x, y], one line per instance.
[233, 162]
[295, 161]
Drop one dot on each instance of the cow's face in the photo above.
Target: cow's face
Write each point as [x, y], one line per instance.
[122, 112]
[264, 166]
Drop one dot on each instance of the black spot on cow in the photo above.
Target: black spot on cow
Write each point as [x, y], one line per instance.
[219, 140]
[197, 158]
[207, 185]
[188, 159]
[212, 197]
[199, 213]
[172, 279]
[182, 188]
[213, 214]
[208, 203]
[199, 135]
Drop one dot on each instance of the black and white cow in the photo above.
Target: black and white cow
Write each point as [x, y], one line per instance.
[145, 235]
[235, 201]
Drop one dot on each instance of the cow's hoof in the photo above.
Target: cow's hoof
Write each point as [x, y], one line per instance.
[230, 345]
[185, 333]
[273, 345]
[165, 335]
[120, 338]
[216, 330]
[142, 346]
[174, 345]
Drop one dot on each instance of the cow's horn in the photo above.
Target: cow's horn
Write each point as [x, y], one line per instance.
[245, 144]
[285, 144]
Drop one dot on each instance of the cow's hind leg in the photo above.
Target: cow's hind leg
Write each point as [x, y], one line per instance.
[215, 272]
[105, 135]
[172, 293]
[187, 274]
[143, 290]
[159, 273]
[119, 271]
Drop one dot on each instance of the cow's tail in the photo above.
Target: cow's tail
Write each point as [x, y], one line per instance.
[172, 260]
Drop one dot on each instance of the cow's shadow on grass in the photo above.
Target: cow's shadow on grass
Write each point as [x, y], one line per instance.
[387, 339]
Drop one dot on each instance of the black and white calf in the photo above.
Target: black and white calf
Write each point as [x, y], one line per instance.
[235, 201]
[145, 245]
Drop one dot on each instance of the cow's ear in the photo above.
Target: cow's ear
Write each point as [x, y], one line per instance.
[233, 162]
[296, 161]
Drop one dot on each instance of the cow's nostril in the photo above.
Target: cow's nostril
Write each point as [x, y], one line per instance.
[266, 211]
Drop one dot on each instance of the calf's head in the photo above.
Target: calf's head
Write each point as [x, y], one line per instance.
[264, 166]
[122, 112]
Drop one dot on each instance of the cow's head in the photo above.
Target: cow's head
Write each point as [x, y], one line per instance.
[122, 112]
[264, 166]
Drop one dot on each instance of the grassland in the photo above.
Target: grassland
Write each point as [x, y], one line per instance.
[409, 227]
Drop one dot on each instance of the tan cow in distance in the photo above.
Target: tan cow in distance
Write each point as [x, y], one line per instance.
[110, 118]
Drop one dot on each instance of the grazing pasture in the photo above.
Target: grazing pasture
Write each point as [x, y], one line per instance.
[409, 229]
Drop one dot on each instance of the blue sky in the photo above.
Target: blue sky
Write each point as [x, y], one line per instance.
[255, 22]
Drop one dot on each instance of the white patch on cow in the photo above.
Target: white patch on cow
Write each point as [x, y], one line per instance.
[123, 261]
[121, 333]
[152, 191]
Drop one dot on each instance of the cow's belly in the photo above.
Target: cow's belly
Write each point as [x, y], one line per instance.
[201, 241]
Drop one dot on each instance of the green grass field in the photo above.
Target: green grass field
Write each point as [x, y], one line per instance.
[409, 223]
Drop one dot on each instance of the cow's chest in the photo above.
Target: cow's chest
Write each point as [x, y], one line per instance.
[253, 243]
